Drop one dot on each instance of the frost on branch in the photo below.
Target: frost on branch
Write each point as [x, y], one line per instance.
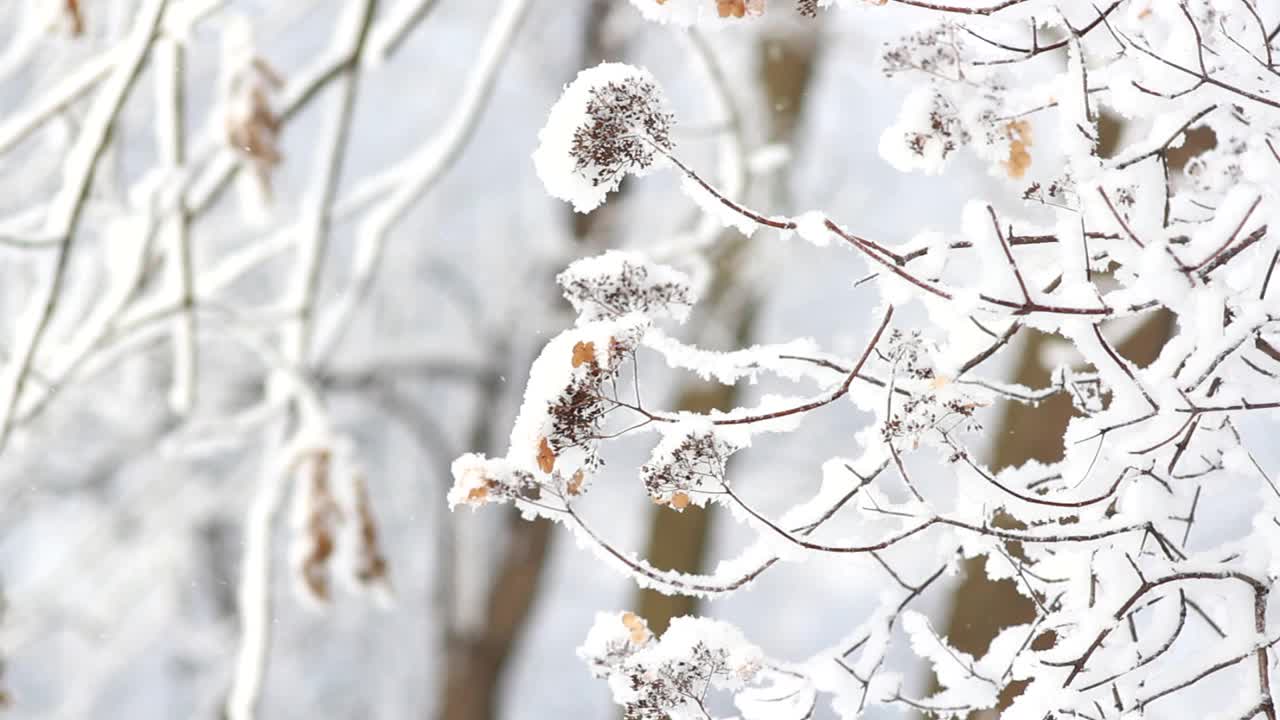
[612, 120]
[671, 676]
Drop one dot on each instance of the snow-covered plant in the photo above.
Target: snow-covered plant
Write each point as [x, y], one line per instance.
[670, 676]
[1140, 599]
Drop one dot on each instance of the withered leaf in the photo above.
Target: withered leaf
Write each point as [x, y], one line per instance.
[731, 8]
[546, 458]
[584, 352]
[575, 483]
[1019, 134]
[638, 627]
[680, 500]
[478, 494]
[77, 17]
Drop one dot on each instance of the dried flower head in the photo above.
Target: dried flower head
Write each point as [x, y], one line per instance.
[478, 480]
[685, 461]
[933, 405]
[928, 131]
[371, 570]
[670, 676]
[316, 520]
[617, 283]
[612, 120]
[253, 127]
[934, 51]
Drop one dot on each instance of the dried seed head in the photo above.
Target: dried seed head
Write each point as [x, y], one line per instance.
[316, 517]
[611, 121]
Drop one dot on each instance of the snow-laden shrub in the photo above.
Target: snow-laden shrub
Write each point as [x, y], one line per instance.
[1104, 541]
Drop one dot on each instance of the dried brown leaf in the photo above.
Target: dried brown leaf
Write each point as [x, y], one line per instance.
[638, 627]
[546, 457]
[76, 16]
[584, 352]
[1019, 134]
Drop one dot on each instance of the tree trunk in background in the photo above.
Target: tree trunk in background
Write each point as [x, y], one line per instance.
[981, 608]
[678, 540]
[475, 662]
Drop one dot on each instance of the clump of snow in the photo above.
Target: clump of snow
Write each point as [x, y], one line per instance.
[611, 121]
[812, 226]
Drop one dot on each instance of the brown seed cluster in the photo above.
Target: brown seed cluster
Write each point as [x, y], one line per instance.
[945, 129]
[371, 564]
[697, 462]
[627, 290]
[627, 126]
[323, 514]
[320, 526]
[578, 412]
[934, 51]
[253, 128]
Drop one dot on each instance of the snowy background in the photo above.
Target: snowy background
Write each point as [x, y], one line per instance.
[121, 518]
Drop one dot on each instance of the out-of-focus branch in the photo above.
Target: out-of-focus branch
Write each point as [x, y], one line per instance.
[66, 91]
[254, 596]
[405, 184]
[399, 25]
[171, 105]
[66, 209]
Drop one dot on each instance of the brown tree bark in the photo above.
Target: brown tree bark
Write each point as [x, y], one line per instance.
[476, 661]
